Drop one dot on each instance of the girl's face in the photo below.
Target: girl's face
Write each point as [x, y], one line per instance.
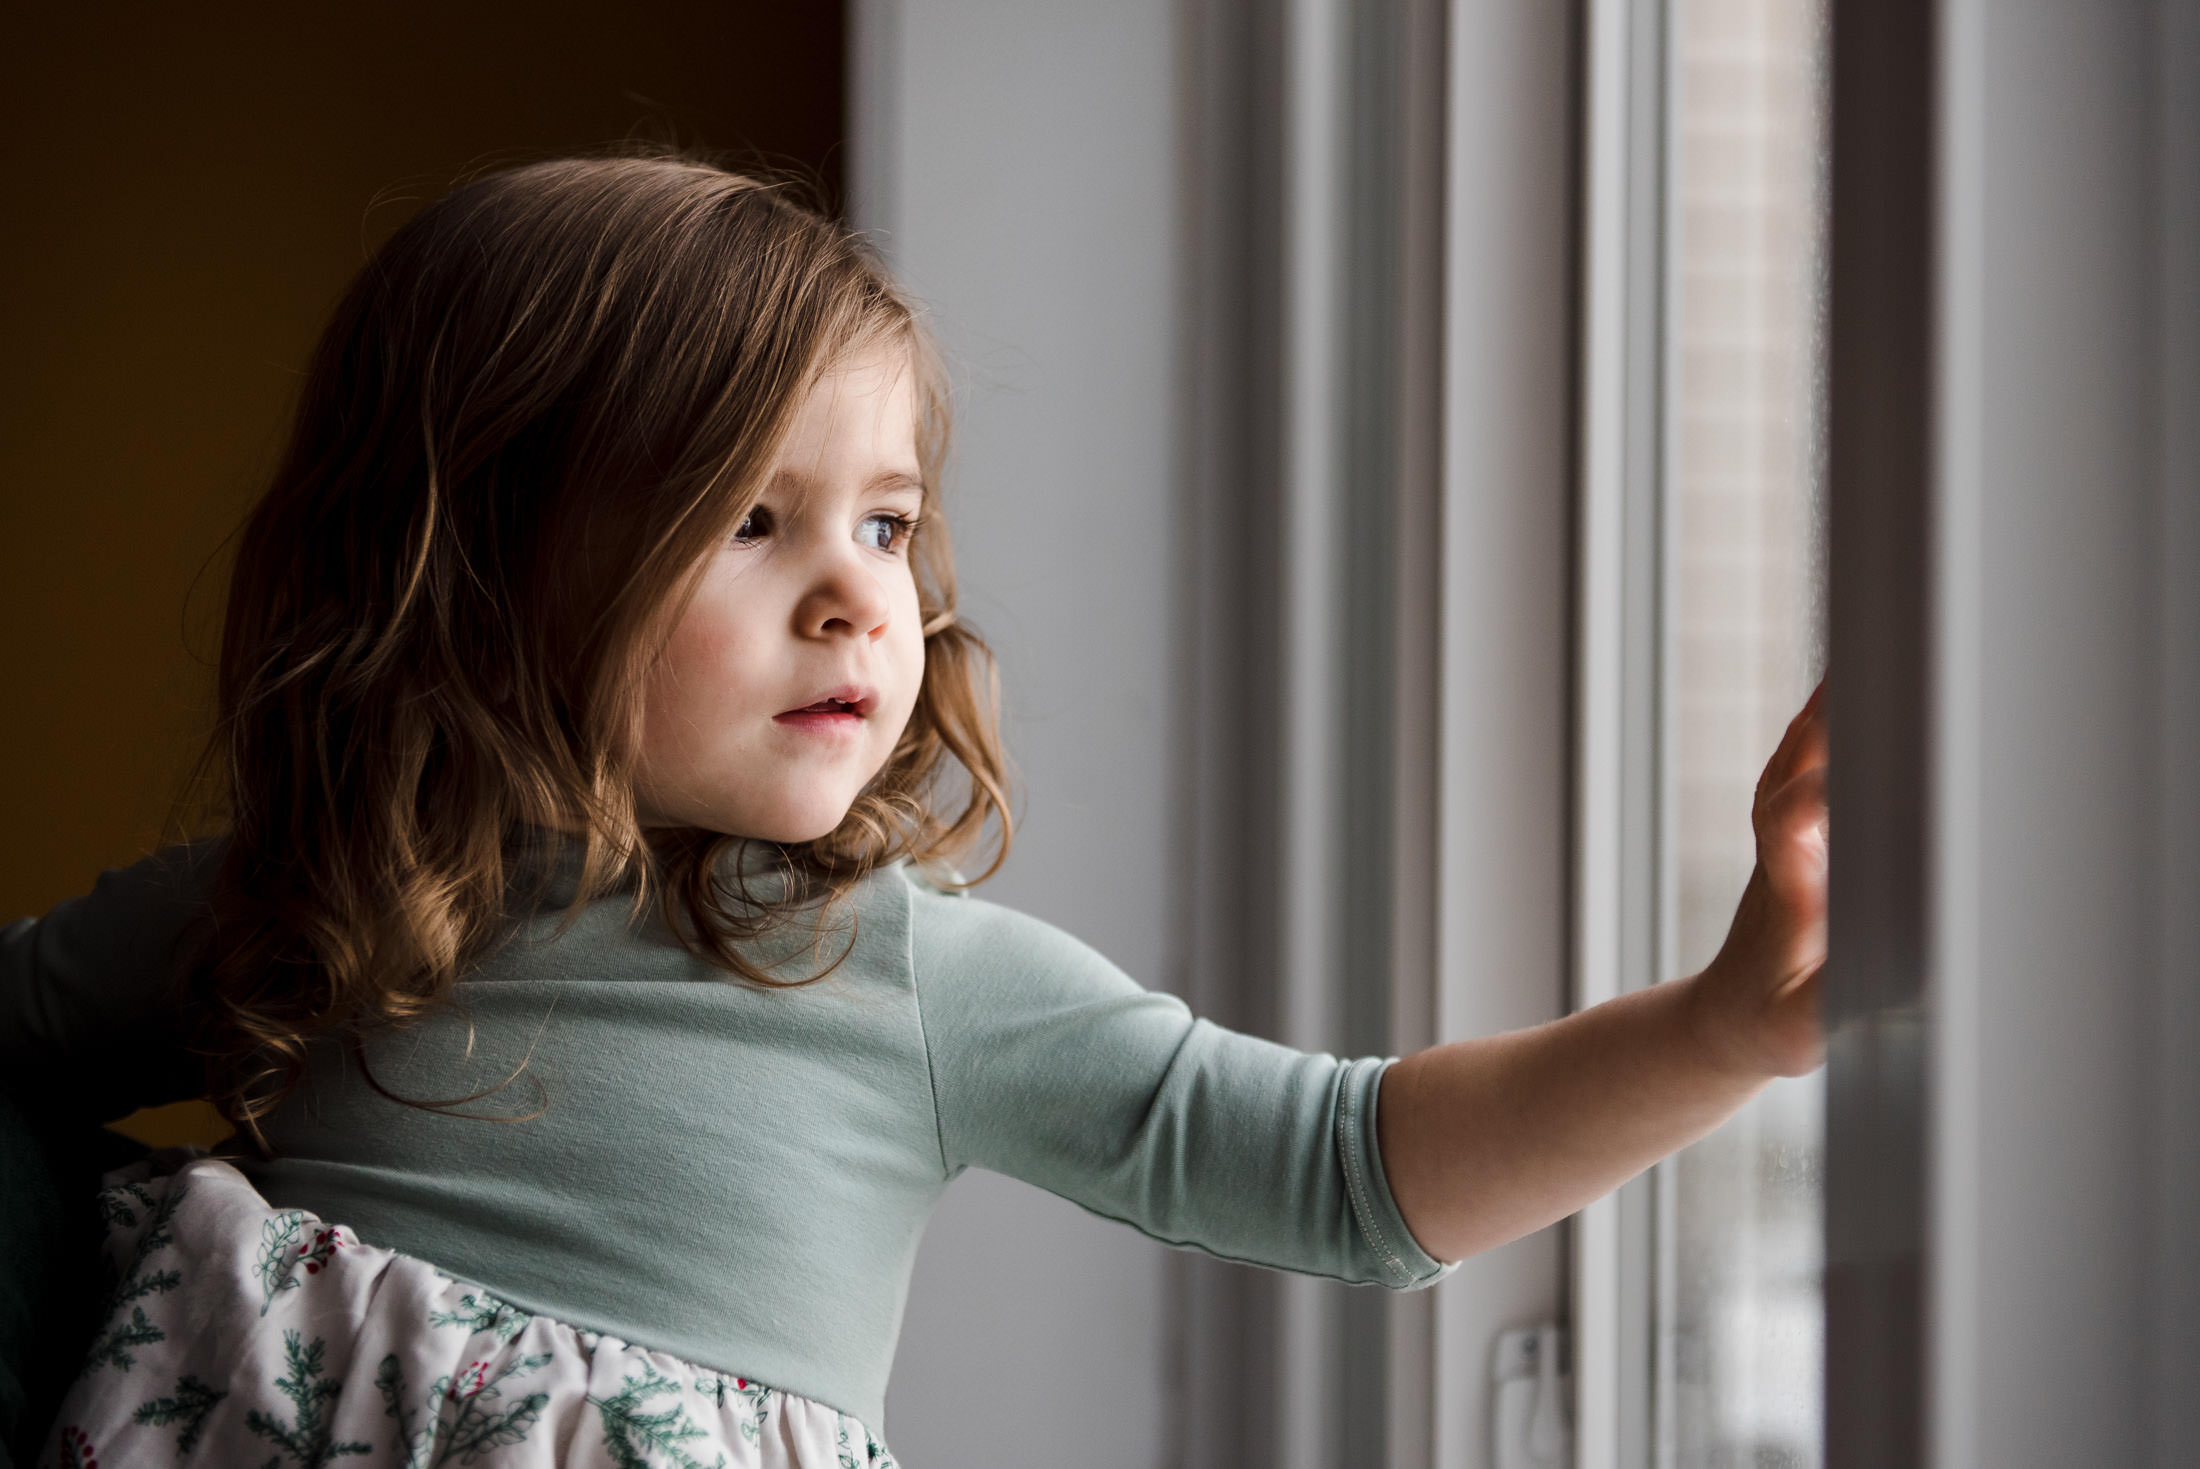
[792, 672]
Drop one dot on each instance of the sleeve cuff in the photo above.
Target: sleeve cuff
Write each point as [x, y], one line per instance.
[1399, 1258]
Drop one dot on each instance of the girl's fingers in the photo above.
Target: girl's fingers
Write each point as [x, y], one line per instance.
[1797, 806]
[1801, 747]
[1791, 840]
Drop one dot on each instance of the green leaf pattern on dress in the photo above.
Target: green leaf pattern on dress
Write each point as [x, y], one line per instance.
[113, 1346]
[466, 1421]
[480, 1311]
[114, 1204]
[278, 1237]
[631, 1436]
[874, 1452]
[756, 1400]
[306, 1440]
[760, 1408]
[186, 1408]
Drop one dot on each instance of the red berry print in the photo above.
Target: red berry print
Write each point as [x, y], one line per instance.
[469, 1382]
[317, 1252]
[76, 1449]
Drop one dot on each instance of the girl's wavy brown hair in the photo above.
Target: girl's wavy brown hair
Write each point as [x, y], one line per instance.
[539, 406]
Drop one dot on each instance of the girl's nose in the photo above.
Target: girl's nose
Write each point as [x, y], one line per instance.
[845, 600]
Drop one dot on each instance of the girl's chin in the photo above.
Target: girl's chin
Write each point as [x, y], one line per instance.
[764, 811]
[797, 836]
[789, 828]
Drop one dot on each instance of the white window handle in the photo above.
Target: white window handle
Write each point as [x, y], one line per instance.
[1531, 1428]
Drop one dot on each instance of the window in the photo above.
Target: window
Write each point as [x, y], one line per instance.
[1740, 1320]
[1698, 1291]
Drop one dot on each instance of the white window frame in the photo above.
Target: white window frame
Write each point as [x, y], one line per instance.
[1617, 664]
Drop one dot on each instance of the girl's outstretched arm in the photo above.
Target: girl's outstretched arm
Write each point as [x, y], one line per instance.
[1487, 1140]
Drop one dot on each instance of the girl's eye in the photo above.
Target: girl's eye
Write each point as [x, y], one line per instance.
[884, 532]
[754, 526]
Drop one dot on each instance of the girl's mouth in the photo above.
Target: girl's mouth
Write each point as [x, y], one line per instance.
[842, 708]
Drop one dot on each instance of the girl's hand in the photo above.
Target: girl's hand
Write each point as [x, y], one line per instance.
[1484, 1140]
[1756, 1007]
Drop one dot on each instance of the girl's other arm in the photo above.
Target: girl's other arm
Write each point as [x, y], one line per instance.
[1487, 1140]
[88, 1014]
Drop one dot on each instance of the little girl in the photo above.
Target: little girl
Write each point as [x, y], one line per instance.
[583, 965]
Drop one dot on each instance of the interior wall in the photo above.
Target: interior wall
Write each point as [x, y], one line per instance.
[1017, 158]
[189, 190]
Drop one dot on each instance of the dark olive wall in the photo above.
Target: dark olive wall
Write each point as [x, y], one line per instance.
[187, 190]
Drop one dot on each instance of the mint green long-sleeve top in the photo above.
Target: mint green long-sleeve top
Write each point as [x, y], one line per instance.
[735, 1174]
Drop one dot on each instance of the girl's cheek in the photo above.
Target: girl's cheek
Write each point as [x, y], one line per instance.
[711, 640]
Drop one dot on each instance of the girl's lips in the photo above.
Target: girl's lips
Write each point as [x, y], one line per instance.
[841, 708]
[819, 721]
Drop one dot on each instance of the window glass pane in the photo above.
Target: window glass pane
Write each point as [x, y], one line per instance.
[1741, 1367]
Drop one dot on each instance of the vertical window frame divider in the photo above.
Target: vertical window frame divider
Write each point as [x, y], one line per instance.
[1506, 447]
[1620, 654]
[1662, 1291]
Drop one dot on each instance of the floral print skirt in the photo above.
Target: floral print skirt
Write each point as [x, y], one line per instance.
[242, 1335]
